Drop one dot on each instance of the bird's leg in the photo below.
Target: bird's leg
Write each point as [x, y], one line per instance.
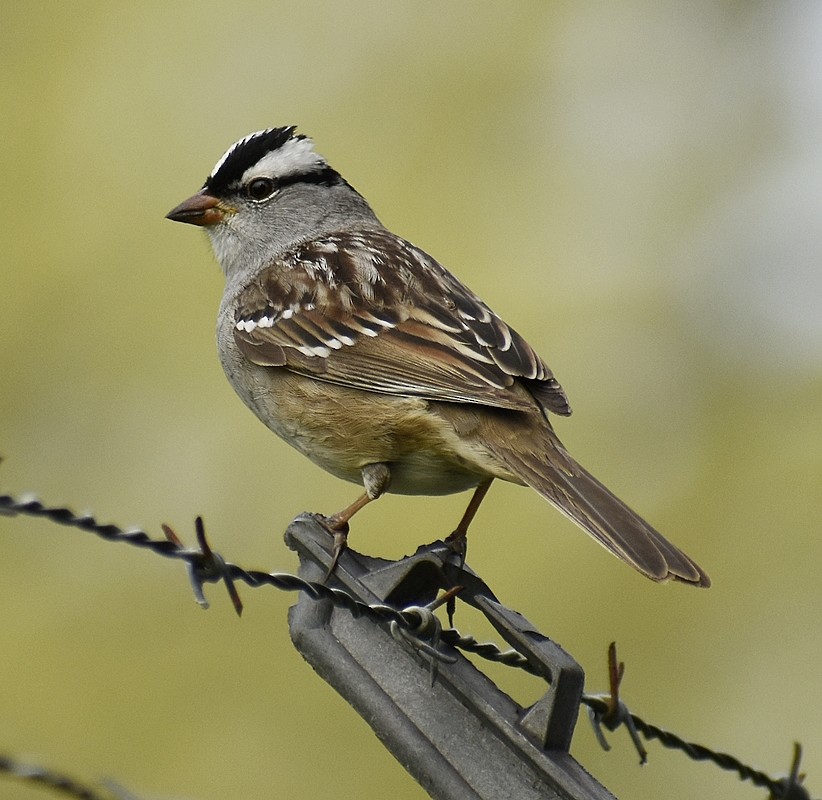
[459, 538]
[375, 478]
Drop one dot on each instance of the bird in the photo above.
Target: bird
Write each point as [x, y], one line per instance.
[374, 361]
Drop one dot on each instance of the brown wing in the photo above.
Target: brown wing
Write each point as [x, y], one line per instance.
[369, 310]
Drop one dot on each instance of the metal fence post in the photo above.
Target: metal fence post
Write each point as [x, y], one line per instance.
[461, 737]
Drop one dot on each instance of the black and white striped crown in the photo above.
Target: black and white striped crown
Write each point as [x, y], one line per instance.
[278, 153]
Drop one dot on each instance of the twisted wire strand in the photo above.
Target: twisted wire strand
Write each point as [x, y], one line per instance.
[408, 619]
[489, 651]
[53, 780]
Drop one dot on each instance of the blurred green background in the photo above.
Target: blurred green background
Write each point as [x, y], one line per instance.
[637, 188]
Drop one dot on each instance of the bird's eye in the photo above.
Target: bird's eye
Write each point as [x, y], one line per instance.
[261, 188]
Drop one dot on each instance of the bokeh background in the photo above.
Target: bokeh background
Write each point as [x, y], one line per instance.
[637, 187]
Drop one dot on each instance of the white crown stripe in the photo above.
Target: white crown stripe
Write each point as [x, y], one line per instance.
[295, 157]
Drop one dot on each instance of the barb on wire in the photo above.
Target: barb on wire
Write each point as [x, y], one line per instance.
[616, 713]
[791, 788]
[59, 782]
[210, 567]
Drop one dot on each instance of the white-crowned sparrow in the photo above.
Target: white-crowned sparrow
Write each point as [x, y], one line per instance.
[370, 358]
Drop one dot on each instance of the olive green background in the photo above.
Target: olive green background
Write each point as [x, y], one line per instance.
[636, 187]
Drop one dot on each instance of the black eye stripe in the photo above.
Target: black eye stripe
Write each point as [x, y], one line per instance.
[327, 177]
[261, 188]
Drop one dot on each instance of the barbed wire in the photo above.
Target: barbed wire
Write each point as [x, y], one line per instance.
[608, 710]
[206, 566]
[421, 627]
[59, 782]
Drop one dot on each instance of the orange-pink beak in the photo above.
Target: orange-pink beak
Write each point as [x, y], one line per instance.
[201, 209]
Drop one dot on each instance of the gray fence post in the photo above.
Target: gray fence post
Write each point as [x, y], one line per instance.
[461, 738]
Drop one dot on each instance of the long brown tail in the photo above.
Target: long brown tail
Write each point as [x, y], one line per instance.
[580, 496]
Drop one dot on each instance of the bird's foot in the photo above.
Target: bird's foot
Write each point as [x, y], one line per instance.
[458, 543]
[338, 529]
